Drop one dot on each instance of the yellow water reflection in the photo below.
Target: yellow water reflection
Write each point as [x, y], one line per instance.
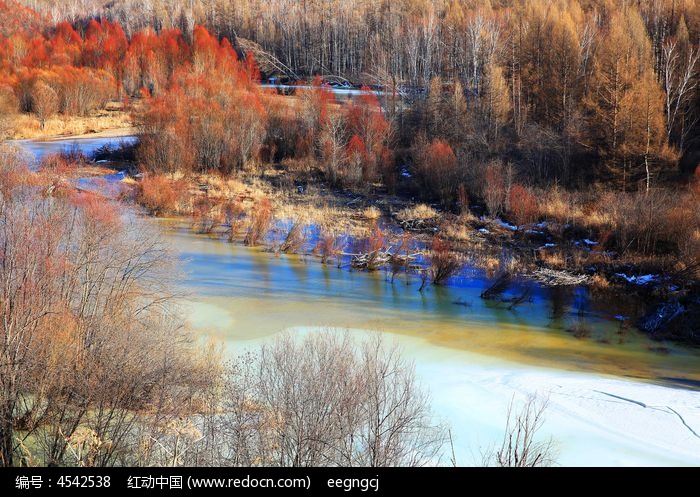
[240, 294]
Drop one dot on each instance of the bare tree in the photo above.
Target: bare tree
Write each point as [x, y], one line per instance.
[45, 102]
[332, 142]
[679, 73]
[520, 447]
[93, 356]
[325, 400]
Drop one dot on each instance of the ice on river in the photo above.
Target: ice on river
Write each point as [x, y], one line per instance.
[593, 419]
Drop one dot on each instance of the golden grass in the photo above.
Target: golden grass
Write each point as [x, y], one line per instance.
[599, 281]
[371, 213]
[26, 126]
[420, 211]
[554, 259]
[565, 207]
[458, 231]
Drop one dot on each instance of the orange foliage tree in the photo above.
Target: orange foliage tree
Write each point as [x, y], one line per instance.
[366, 120]
[436, 165]
[523, 204]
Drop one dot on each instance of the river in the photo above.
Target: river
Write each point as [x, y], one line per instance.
[615, 397]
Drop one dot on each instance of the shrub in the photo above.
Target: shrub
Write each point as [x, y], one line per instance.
[494, 188]
[160, 195]
[259, 222]
[436, 165]
[371, 213]
[523, 205]
[295, 238]
[443, 262]
[420, 211]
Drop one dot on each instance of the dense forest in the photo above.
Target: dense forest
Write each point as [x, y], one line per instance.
[500, 103]
[566, 79]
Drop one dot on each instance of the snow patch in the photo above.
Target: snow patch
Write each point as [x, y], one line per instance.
[505, 225]
[639, 280]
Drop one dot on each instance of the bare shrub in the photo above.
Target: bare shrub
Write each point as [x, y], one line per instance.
[325, 400]
[495, 189]
[375, 245]
[8, 107]
[399, 258]
[295, 238]
[13, 169]
[520, 447]
[443, 261]
[329, 245]
[206, 215]
[259, 222]
[232, 212]
[94, 356]
[44, 102]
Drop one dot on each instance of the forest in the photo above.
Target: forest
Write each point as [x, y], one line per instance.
[583, 113]
[480, 128]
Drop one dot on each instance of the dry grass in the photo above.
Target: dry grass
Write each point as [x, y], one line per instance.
[575, 208]
[25, 126]
[420, 211]
[554, 259]
[371, 213]
[458, 231]
[599, 282]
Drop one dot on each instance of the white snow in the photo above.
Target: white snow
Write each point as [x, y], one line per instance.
[589, 242]
[505, 225]
[639, 280]
[593, 419]
[484, 231]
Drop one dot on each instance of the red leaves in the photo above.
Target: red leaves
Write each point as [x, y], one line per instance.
[105, 44]
[160, 195]
[367, 122]
[437, 166]
[356, 147]
[523, 205]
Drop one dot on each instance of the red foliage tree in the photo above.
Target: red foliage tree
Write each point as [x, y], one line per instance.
[436, 165]
[356, 163]
[105, 45]
[366, 120]
[523, 204]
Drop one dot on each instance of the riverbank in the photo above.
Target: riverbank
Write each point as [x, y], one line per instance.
[112, 121]
[373, 225]
[351, 228]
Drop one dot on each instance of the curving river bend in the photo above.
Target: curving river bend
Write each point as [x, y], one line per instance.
[615, 397]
